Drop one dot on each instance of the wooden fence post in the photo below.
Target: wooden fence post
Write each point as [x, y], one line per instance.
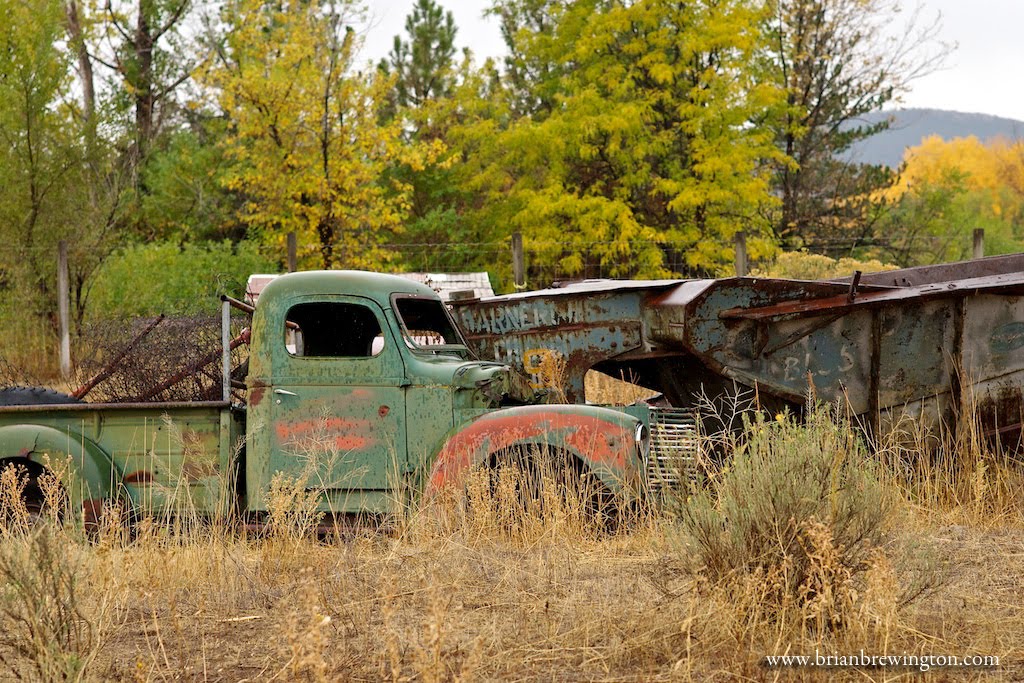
[292, 257]
[63, 309]
[740, 241]
[518, 261]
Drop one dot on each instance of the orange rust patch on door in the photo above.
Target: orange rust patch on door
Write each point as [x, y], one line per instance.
[139, 477]
[345, 434]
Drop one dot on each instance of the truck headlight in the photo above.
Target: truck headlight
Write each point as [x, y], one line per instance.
[642, 436]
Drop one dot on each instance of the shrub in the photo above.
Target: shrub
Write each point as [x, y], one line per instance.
[47, 634]
[801, 265]
[163, 277]
[799, 506]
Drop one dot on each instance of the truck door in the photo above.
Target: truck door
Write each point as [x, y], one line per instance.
[338, 411]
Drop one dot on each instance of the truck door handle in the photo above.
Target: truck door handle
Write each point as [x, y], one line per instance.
[285, 392]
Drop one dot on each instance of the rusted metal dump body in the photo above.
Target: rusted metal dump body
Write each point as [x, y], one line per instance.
[909, 343]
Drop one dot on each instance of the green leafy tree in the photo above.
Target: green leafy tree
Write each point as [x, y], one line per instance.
[647, 165]
[945, 191]
[191, 277]
[423, 63]
[535, 63]
[429, 97]
[55, 180]
[147, 49]
[186, 197]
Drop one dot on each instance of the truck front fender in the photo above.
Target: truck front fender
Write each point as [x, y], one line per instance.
[84, 469]
[601, 439]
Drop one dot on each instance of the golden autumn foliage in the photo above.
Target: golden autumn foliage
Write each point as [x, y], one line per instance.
[311, 150]
[995, 168]
[946, 189]
[800, 265]
[639, 160]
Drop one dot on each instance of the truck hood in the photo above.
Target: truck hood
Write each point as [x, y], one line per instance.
[494, 384]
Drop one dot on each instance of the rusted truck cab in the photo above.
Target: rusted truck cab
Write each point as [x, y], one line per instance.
[362, 385]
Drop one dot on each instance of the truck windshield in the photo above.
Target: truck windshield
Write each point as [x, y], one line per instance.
[426, 325]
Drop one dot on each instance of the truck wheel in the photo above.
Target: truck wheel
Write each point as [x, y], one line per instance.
[27, 499]
[33, 396]
[35, 505]
[521, 481]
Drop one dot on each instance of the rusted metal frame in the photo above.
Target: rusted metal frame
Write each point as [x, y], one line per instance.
[791, 310]
[240, 305]
[799, 334]
[753, 381]
[943, 272]
[225, 345]
[107, 371]
[852, 294]
[247, 308]
[97, 407]
[192, 369]
[875, 373]
[955, 380]
[568, 289]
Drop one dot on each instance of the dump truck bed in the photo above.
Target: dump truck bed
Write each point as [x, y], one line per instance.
[915, 344]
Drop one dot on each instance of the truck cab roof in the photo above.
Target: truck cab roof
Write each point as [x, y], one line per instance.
[376, 286]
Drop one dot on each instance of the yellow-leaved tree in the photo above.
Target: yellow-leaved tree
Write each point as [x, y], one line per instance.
[946, 190]
[634, 155]
[310, 148]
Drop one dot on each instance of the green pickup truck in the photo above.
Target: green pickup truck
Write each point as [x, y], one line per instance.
[357, 384]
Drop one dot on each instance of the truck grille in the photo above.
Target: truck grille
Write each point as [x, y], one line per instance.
[673, 448]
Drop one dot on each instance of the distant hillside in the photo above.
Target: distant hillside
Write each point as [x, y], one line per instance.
[909, 126]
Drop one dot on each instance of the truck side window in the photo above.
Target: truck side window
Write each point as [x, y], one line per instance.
[328, 329]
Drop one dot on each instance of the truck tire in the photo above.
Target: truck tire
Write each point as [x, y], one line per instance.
[33, 497]
[578, 491]
[33, 396]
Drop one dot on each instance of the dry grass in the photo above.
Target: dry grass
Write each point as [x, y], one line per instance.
[455, 592]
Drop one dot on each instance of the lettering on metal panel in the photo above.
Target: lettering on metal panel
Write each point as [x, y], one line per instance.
[505, 320]
[1007, 338]
[794, 370]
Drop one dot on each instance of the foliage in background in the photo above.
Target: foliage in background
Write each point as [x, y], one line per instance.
[431, 96]
[422, 63]
[164, 277]
[836, 60]
[185, 197]
[310, 147]
[622, 139]
[946, 190]
[646, 152]
[57, 181]
[800, 265]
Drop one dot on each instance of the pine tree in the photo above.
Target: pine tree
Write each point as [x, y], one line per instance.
[836, 60]
[423, 63]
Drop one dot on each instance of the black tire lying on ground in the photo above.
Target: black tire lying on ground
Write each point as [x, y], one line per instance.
[33, 396]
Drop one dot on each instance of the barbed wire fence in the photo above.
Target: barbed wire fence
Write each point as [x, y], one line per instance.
[178, 344]
[541, 270]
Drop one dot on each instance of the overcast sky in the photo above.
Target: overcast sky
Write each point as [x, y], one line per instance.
[985, 74]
